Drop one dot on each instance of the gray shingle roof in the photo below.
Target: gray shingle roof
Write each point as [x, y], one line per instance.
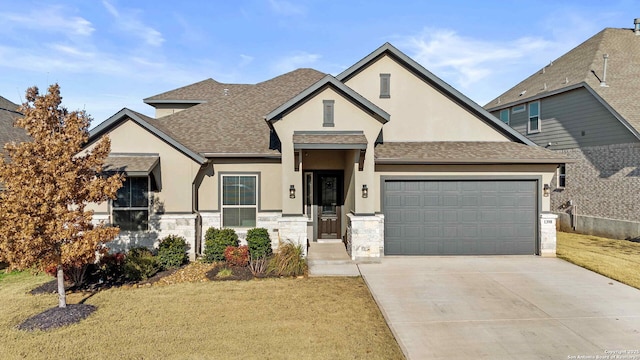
[8, 115]
[142, 164]
[336, 139]
[456, 152]
[235, 124]
[7, 105]
[202, 91]
[584, 65]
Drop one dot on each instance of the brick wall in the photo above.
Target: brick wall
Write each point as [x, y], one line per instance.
[604, 181]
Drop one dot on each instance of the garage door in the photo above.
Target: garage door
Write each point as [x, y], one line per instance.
[460, 217]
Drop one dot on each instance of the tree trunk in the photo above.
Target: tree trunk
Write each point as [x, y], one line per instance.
[62, 295]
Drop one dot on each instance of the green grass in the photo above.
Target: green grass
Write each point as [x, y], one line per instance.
[314, 318]
[616, 259]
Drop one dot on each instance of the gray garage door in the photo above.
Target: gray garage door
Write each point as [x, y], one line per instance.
[460, 217]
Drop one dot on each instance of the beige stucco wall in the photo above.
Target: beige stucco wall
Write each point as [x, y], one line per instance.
[169, 109]
[309, 117]
[418, 111]
[270, 190]
[546, 172]
[177, 171]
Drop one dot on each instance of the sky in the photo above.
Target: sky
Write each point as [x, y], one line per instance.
[110, 54]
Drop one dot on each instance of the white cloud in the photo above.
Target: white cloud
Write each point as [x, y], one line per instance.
[128, 22]
[286, 8]
[295, 61]
[245, 60]
[50, 19]
[468, 60]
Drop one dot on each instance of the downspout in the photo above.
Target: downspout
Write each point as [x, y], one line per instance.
[195, 206]
[574, 214]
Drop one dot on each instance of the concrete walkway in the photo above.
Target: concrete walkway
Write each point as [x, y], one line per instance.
[330, 259]
[510, 307]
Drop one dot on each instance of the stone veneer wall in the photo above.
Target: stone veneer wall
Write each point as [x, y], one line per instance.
[604, 181]
[294, 229]
[548, 234]
[267, 220]
[160, 226]
[365, 236]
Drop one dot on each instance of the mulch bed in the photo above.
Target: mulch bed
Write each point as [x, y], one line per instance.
[237, 273]
[57, 317]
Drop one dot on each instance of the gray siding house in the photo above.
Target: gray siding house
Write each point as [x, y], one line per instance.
[586, 105]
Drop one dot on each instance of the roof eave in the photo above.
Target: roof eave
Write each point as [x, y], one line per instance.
[152, 101]
[121, 115]
[392, 161]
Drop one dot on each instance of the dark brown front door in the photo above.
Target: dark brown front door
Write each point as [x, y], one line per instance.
[329, 195]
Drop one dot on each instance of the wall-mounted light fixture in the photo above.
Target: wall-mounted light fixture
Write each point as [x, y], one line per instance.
[365, 191]
[292, 192]
[545, 190]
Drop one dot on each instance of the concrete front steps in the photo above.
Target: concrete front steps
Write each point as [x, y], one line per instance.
[330, 258]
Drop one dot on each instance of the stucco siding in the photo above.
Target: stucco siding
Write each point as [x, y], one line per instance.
[544, 172]
[270, 175]
[309, 117]
[604, 182]
[170, 109]
[418, 111]
[177, 171]
[573, 119]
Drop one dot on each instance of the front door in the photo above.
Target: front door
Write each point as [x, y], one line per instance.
[329, 195]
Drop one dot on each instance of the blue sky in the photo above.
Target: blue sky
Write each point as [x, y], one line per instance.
[111, 54]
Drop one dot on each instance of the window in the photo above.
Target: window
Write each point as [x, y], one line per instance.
[328, 113]
[504, 116]
[562, 176]
[131, 207]
[239, 200]
[534, 117]
[385, 86]
[518, 109]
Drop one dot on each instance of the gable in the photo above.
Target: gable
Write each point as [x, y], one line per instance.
[419, 111]
[309, 116]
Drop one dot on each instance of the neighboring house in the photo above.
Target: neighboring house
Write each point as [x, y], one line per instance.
[385, 157]
[8, 115]
[586, 105]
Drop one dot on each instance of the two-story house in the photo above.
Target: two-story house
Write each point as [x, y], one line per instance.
[586, 105]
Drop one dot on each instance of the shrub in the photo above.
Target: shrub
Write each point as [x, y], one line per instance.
[224, 273]
[258, 266]
[237, 256]
[288, 260]
[140, 264]
[75, 274]
[259, 243]
[216, 244]
[172, 252]
[112, 267]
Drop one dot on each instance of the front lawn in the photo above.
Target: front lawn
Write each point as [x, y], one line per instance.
[309, 318]
[616, 259]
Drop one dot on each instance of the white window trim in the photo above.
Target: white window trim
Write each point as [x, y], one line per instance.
[539, 129]
[508, 116]
[113, 208]
[518, 109]
[223, 206]
[561, 175]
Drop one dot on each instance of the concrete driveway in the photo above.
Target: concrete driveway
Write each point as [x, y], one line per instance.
[504, 307]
